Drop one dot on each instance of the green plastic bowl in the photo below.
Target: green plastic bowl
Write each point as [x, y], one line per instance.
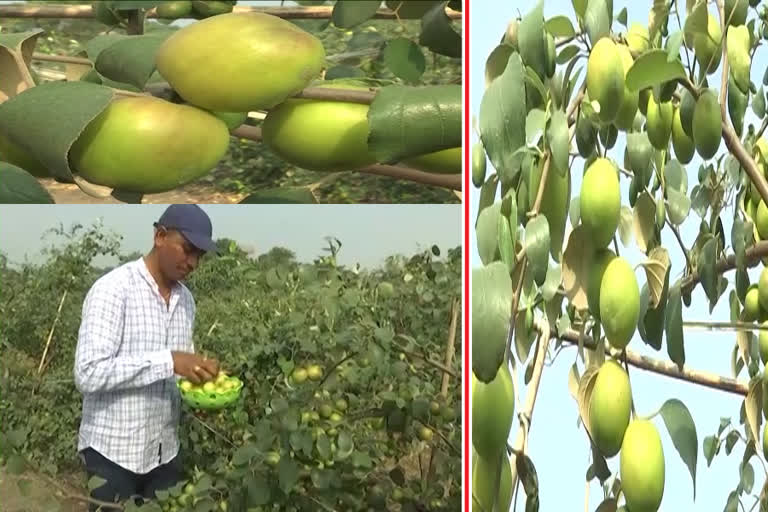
[211, 401]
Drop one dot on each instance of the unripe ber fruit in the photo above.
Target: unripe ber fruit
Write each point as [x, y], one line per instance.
[221, 63]
[320, 135]
[681, 142]
[736, 12]
[659, 122]
[610, 407]
[600, 262]
[761, 219]
[493, 408]
[174, 10]
[554, 204]
[762, 289]
[626, 115]
[314, 372]
[146, 144]
[687, 105]
[763, 337]
[600, 201]
[484, 482]
[638, 38]
[478, 164]
[707, 46]
[641, 467]
[446, 161]
[752, 304]
[299, 375]
[707, 127]
[619, 302]
[605, 78]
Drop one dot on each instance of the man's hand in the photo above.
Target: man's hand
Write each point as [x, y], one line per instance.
[194, 368]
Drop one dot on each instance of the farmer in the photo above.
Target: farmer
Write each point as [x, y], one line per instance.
[135, 337]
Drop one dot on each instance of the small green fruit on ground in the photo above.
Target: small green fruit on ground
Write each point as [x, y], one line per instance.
[484, 470]
[752, 303]
[605, 78]
[659, 122]
[707, 124]
[600, 201]
[493, 409]
[446, 161]
[600, 262]
[619, 302]
[320, 135]
[145, 144]
[641, 467]
[681, 142]
[220, 63]
[610, 407]
[762, 289]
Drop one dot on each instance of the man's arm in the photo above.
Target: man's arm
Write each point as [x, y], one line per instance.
[97, 368]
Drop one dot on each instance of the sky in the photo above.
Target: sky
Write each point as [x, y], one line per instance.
[369, 233]
[560, 450]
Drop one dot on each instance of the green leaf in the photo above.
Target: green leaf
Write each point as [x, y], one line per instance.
[758, 103]
[284, 195]
[576, 262]
[257, 489]
[348, 13]
[17, 186]
[559, 141]
[15, 465]
[730, 441]
[656, 268]
[345, 446]
[496, 62]
[438, 34]
[244, 454]
[47, 119]
[622, 17]
[674, 42]
[639, 154]
[674, 326]
[532, 41]
[552, 283]
[580, 7]
[502, 117]
[288, 474]
[491, 306]
[528, 476]
[598, 18]
[625, 225]
[652, 68]
[537, 246]
[753, 405]
[506, 241]
[487, 195]
[560, 26]
[682, 430]
[732, 505]
[747, 477]
[130, 60]
[696, 21]
[524, 337]
[409, 121]
[710, 447]
[644, 221]
[679, 206]
[706, 266]
[404, 59]
[567, 54]
[487, 233]
[535, 122]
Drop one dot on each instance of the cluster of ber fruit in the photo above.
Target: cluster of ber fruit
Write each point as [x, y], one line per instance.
[222, 384]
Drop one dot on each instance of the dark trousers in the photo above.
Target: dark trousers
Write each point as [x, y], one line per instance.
[122, 484]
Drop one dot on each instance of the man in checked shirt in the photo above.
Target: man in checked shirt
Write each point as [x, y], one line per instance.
[135, 338]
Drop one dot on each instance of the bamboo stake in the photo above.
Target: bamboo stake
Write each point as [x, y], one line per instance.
[50, 334]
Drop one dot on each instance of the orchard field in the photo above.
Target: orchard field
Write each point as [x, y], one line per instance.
[61, 43]
[380, 428]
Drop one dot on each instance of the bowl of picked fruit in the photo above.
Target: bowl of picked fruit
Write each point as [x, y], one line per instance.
[215, 394]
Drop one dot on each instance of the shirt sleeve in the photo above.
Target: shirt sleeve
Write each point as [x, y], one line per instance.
[97, 367]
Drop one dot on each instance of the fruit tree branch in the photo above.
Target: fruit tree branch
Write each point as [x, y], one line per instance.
[667, 368]
[732, 141]
[752, 256]
[452, 181]
[85, 11]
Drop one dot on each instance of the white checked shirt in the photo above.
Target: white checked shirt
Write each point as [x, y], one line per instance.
[124, 369]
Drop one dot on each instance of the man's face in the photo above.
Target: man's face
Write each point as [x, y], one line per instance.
[178, 257]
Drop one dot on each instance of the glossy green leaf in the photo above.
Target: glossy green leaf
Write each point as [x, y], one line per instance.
[531, 39]
[560, 26]
[652, 68]
[491, 306]
[404, 59]
[559, 139]
[438, 34]
[598, 18]
[348, 13]
[682, 430]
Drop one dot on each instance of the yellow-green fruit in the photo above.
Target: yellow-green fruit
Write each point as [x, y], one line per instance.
[493, 408]
[484, 482]
[446, 161]
[762, 289]
[320, 135]
[765, 440]
[761, 220]
[707, 46]
[609, 408]
[600, 201]
[658, 118]
[231, 119]
[641, 467]
[736, 12]
[554, 204]
[619, 302]
[314, 372]
[209, 8]
[605, 78]
[643, 103]
[478, 164]
[551, 55]
[638, 38]
[737, 105]
[240, 62]
[739, 60]
[687, 105]
[174, 10]
[600, 262]
[14, 155]
[626, 115]
[147, 145]
[751, 303]
[760, 151]
[763, 337]
[681, 142]
[707, 125]
[299, 375]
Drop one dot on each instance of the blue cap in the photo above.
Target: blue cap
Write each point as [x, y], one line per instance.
[192, 222]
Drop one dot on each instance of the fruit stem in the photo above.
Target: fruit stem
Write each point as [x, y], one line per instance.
[676, 231]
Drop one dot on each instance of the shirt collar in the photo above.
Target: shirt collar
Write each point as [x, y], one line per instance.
[141, 266]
